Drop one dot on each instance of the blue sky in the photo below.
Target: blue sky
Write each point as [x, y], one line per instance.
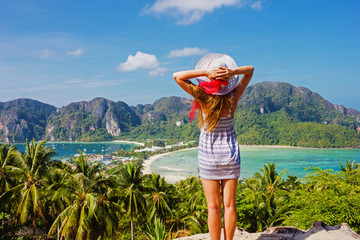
[59, 52]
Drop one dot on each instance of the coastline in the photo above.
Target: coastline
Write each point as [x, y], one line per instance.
[76, 142]
[143, 144]
[173, 177]
[147, 163]
[132, 142]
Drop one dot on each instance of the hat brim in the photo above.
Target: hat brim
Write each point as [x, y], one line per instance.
[230, 63]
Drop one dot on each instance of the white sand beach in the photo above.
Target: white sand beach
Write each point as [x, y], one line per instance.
[169, 178]
[124, 141]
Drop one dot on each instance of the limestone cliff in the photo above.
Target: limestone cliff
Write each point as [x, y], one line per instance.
[84, 121]
[168, 109]
[23, 119]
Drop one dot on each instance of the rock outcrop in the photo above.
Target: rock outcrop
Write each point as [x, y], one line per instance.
[84, 121]
[23, 119]
[319, 231]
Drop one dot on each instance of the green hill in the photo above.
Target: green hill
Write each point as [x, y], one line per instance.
[271, 113]
[281, 114]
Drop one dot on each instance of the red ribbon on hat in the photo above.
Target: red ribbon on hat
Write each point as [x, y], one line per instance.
[209, 87]
[213, 86]
[192, 112]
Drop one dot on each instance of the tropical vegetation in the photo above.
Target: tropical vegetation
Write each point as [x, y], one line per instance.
[41, 197]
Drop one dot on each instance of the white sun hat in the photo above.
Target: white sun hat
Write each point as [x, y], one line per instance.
[214, 61]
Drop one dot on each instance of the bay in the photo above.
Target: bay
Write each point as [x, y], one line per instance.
[179, 165]
[67, 149]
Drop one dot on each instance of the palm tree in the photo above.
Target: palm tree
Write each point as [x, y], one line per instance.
[7, 154]
[191, 208]
[158, 199]
[261, 209]
[349, 166]
[132, 190]
[83, 166]
[89, 213]
[178, 216]
[57, 175]
[251, 195]
[270, 178]
[276, 209]
[157, 231]
[33, 169]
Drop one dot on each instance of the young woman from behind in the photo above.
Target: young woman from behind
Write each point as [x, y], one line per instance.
[217, 97]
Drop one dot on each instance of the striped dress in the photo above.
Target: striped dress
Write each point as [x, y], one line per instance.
[219, 153]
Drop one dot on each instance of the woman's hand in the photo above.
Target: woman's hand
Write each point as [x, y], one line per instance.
[212, 73]
[224, 74]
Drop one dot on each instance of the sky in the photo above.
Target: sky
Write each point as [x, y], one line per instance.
[59, 52]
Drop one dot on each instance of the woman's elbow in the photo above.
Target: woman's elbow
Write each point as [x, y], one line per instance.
[250, 70]
[176, 76]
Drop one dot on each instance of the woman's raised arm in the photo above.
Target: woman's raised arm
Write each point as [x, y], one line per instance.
[182, 78]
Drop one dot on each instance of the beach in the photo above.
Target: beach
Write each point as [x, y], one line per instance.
[147, 163]
[178, 165]
[132, 142]
[174, 175]
[169, 178]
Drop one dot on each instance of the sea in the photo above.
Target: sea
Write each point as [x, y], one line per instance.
[296, 161]
[179, 165]
[65, 150]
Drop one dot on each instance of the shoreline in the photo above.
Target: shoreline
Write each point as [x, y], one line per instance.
[171, 178]
[131, 142]
[143, 144]
[147, 162]
[76, 142]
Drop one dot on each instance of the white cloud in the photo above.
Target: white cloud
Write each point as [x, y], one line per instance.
[77, 52]
[157, 72]
[256, 5]
[191, 18]
[190, 11]
[46, 53]
[140, 60]
[185, 52]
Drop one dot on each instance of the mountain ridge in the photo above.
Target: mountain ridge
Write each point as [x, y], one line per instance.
[261, 108]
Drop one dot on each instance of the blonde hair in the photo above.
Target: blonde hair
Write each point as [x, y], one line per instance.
[215, 104]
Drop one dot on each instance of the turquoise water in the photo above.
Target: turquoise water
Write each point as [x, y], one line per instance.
[67, 149]
[295, 160]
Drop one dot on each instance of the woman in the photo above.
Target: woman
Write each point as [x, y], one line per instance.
[217, 96]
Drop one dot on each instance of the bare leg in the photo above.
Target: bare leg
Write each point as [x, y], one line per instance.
[213, 199]
[230, 217]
